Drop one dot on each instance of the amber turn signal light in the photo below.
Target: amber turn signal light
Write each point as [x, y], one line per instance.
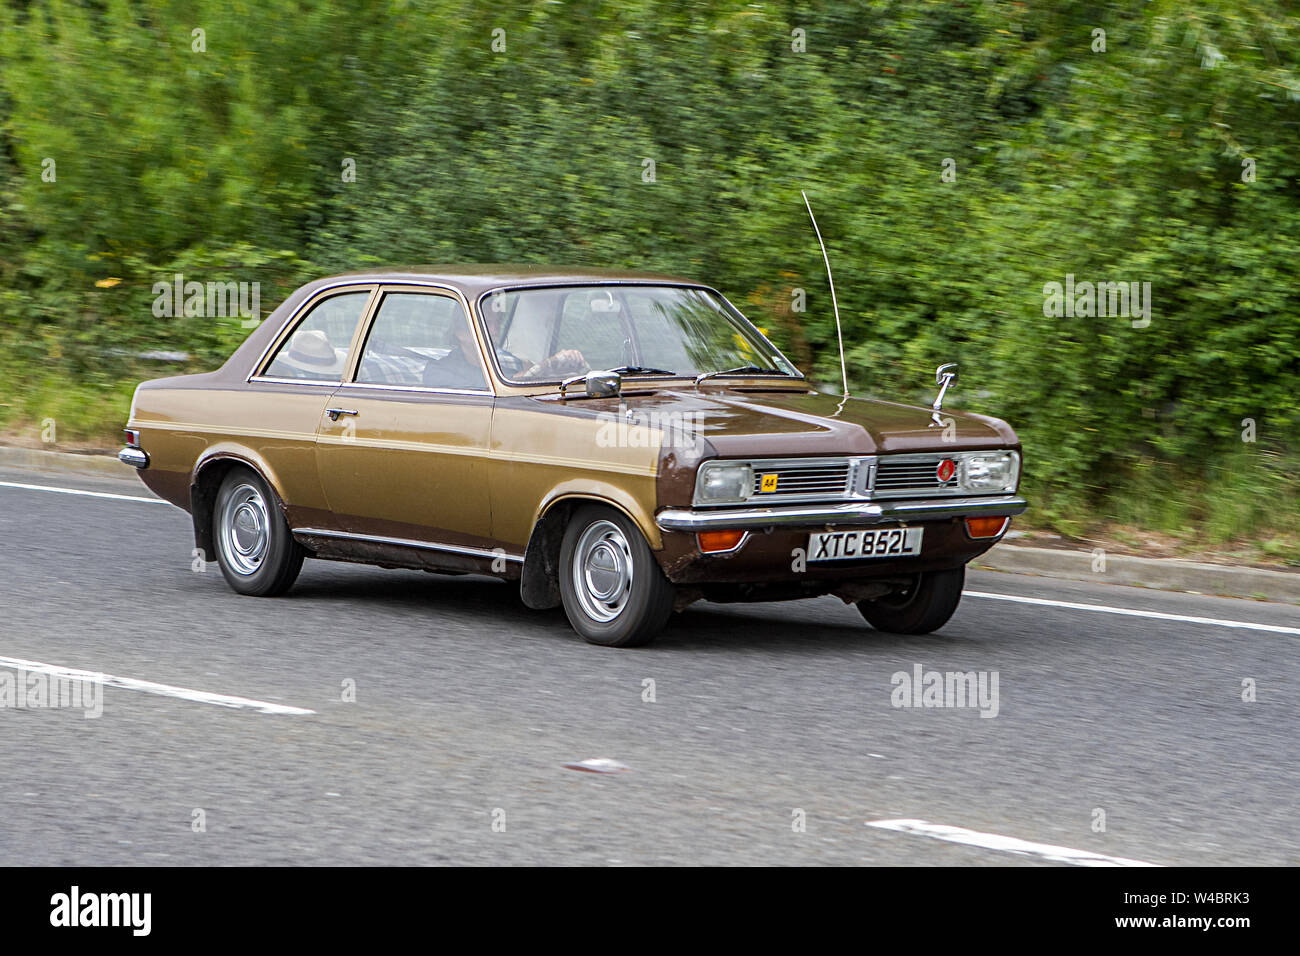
[986, 527]
[715, 541]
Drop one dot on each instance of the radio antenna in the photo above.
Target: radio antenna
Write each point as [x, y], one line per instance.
[839, 335]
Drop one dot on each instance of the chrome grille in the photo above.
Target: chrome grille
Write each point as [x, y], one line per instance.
[909, 474]
[817, 479]
[852, 478]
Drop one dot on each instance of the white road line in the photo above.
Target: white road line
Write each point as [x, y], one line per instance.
[1132, 612]
[78, 491]
[149, 687]
[1004, 844]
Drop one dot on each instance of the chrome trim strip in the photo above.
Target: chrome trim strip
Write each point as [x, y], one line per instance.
[419, 388]
[674, 519]
[410, 543]
[135, 457]
[294, 381]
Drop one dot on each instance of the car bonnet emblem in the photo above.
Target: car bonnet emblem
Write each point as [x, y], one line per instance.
[944, 376]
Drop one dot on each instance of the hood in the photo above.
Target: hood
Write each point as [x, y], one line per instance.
[772, 423]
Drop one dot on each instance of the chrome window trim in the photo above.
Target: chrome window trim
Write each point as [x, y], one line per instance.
[270, 379]
[411, 543]
[376, 285]
[369, 323]
[369, 287]
[420, 388]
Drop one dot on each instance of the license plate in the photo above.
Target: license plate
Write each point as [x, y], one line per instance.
[845, 545]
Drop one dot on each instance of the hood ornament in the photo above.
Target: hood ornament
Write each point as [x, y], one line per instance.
[944, 376]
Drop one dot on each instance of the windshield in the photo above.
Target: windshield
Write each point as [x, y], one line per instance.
[549, 334]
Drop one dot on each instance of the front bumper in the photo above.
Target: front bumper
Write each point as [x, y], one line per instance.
[854, 513]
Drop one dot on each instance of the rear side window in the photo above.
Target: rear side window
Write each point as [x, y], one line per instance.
[317, 350]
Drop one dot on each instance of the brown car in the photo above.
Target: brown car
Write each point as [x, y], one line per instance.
[618, 443]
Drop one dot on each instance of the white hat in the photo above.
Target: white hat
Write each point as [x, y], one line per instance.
[309, 355]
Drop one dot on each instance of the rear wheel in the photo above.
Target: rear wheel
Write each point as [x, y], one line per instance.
[925, 604]
[254, 547]
[613, 590]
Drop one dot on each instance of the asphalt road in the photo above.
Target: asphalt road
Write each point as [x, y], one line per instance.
[468, 705]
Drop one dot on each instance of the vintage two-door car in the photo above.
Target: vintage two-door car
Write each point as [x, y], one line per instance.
[617, 443]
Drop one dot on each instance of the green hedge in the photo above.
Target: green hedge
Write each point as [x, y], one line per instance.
[1122, 165]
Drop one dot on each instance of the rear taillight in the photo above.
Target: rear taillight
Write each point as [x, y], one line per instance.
[132, 437]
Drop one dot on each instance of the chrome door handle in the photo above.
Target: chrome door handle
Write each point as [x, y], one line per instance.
[334, 413]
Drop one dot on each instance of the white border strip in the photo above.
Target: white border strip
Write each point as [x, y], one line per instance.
[78, 491]
[1005, 844]
[1132, 612]
[149, 687]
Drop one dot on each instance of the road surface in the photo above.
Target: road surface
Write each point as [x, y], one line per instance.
[772, 737]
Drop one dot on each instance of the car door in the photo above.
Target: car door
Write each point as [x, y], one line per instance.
[402, 450]
[279, 415]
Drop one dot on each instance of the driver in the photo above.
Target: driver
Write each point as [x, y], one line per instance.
[460, 367]
[562, 363]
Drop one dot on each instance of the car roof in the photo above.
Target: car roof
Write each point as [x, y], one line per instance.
[474, 280]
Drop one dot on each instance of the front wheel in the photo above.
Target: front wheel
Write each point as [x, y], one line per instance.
[613, 590]
[922, 606]
[254, 546]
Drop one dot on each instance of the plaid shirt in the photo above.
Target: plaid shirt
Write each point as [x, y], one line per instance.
[380, 368]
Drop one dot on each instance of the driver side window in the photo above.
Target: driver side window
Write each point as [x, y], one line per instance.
[421, 339]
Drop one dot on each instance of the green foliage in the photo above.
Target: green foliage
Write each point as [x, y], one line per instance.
[1123, 165]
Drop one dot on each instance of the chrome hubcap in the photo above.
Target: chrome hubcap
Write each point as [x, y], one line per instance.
[245, 529]
[602, 571]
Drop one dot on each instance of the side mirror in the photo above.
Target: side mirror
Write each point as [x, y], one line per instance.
[596, 384]
[949, 371]
[603, 384]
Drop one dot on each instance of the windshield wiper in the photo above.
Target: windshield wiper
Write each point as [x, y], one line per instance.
[740, 370]
[640, 370]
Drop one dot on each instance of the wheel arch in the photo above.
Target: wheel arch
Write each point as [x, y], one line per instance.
[539, 583]
[205, 481]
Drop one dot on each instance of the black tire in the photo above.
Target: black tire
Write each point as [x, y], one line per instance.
[924, 606]
[255, 549]
[604, 604]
